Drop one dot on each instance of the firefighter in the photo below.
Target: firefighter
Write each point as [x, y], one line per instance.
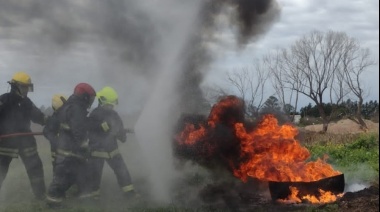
[72, 145]
[17, 112]
[51, 128]
[106, 127]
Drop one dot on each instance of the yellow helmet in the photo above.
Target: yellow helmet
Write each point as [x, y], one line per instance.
[57, 101]
[21, 83]
[21, 77]
[107, 95]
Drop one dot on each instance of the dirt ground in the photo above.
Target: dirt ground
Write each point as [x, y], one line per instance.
[363, 200]
[344, 126]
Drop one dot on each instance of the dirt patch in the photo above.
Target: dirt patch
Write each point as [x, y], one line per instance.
[345, 126]
[364, 200]
[223, 198]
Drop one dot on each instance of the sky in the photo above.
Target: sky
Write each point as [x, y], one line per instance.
[358, 18]
[159, 54]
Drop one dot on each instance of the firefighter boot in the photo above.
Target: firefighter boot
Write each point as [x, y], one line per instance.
[132, 195]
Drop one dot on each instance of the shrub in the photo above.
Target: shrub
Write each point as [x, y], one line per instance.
[349, 155]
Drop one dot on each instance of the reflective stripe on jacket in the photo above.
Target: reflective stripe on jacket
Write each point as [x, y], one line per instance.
[105, 155]
[68, 154]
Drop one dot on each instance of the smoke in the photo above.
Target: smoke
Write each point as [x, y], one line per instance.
[62, 43]
[358, 176]
[355, 187]
[154, 53]
[119, 42]
[248, 19]
[184, 75]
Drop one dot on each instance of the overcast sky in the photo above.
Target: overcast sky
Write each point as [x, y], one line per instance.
[61, 44]
[358, 18]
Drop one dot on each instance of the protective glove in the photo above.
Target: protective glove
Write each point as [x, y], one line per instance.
[122, 135]
[84, 149]
[128, 130]
[84, 144]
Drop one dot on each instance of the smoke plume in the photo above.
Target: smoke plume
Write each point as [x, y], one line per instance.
[250, 19]
[185, 75]
[154, 53]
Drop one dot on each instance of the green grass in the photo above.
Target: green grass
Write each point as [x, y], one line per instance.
[357, 158]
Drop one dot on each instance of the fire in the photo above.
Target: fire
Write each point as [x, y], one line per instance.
[268, 152]
[190, 135]
[324, 197]
[275, 155]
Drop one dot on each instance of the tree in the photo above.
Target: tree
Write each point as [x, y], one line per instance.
[355, 62]
[346, 109]
[275, 67]
[369, 109]
[315, 67]
[350, 107]
[290, 110]
[250, 82]
[271, 105]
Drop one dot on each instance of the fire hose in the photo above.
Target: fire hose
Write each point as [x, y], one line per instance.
[40, 133]
[20, 134]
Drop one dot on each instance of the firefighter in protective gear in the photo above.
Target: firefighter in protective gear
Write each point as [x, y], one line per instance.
[72, 145]
[106, 127]
[17, 112]
[51, 129]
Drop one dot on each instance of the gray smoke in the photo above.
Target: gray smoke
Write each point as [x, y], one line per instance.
[178, 89]
[121, 39]
[250, 18]
[154, 53]
[120, 27]
[66, 42]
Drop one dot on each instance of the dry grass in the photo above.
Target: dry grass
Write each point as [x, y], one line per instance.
[311, 137]
[340, 132]
[345, 126]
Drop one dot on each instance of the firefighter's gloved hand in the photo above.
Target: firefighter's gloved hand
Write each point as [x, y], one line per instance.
[84, 149]
[128, 130]
[122, 135]
[84, 144]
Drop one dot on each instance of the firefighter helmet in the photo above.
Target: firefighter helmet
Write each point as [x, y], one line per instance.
[21, 77]
[107, 95]
[86, 92]
[57, 101]
[21, 83]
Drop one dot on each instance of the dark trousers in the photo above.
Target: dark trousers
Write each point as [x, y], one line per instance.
[34, 169]
[95, 170]
[67, 172]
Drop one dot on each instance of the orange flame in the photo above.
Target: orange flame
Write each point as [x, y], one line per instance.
[190, 135]
[269, 152]
[275, 155]
[324, 197]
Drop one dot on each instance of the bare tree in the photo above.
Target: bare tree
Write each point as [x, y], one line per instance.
[275, 65]
[250, 83]
[355, 62]
[276, 76]
[313, 66]
[213, 93]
